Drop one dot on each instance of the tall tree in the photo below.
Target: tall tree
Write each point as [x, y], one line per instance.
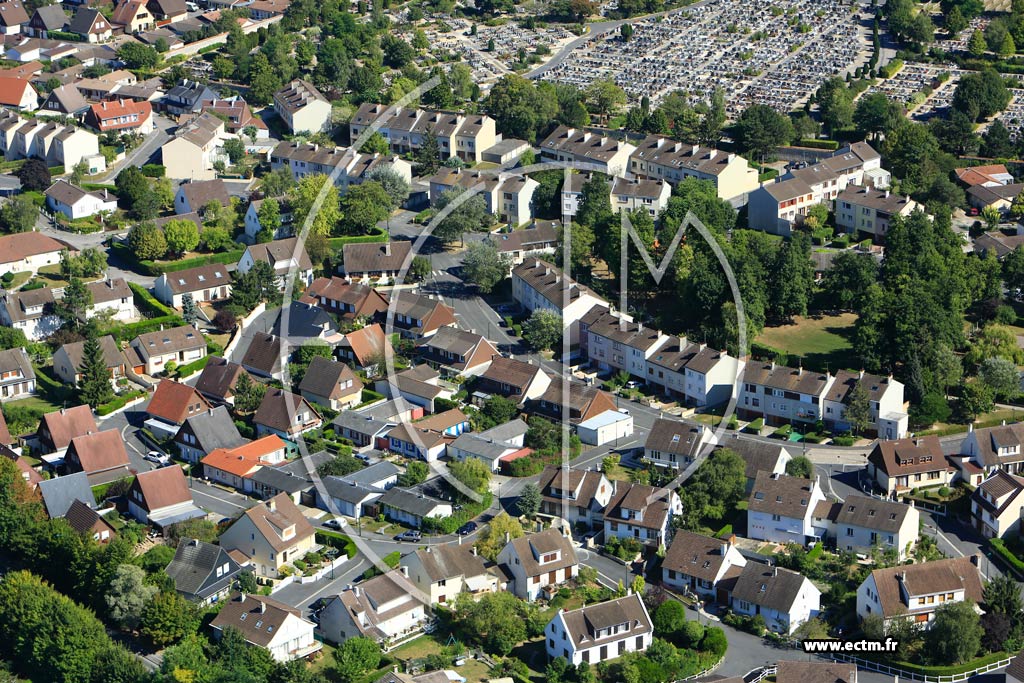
[74, 305]
[760, 129]
[94, 386]
[484, 266]
[127, 595]
[428, 155]
[303, 196]
[858, 408]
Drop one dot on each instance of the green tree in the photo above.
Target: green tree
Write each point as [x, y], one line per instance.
[800, 466]
[835, 102]
[235, 149]
[955, 21]
[717, 485]
[472, 472]
[669, 619]
[258, 284]
[340, 465]
[74, 305]
[416, 472]
[78, 172]
[356, 657]
[858, 408]
[182, 236]
[277, 183]
[528, 503]
[543, 329]
[875, 114]
[997, 142]
[376, 144]
[167, 618]
[363, 206]
[976, 44]
[147, 241]
[848, 279]
[469, 215]
[428, 155]
[189, 312]
[760, 129]
[603, 96]
[269, 215]
[492, 540]
[793, 278]
[127, 595]
[497, 621]
[136, 55]
[980, 95]
[955, 633]
[1001, 376]
[94, 386]
[484, 266]
[18, 214]
[975, 398]
[419, 268]
[302, 197]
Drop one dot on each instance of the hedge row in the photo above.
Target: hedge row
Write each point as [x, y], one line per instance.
[133, 330]
[336, 540]
[156, 268]
[999, 546]
[339, 242]
[147, 303]
[119, 402]
[189, 369]
[830, 145]
[922, 670]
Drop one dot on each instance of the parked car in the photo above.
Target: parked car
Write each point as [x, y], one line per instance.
[467, 528]
[411, 535]
[333, 523]
[156, 457]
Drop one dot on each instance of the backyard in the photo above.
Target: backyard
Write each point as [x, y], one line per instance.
[821, 342]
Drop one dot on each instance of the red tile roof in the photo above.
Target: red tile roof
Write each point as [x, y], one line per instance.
[176, 402]
[106, 115]
[12, 91]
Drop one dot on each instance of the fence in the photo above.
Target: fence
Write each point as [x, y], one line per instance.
[913, 676]
[312, 578]
[758, 675]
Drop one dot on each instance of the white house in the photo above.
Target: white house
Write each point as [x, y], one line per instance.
[784, 598]
[538, 562]
[31, 312]
[577, 496]
[271, 534]
[997, 505]
[861, 523]
[698, 564]
[162, 497]
[643, 513]
[443, 572]
[538, 284]
[267, 623]
[611, 425]
[388, 609]
[599, 152]
[154, 350]
[111, 297]
[28, 251]
[781, 509]
[915, 591]
[661, 158]
[410, 508]
[600, 632]
[302, 107]
[75, 203]
[869, 210]
[206, 284]
[700, 375]
[491, 446]
[674, 444]
[282, 257]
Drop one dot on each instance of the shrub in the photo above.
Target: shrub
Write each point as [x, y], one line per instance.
[714, 641]
[944, 491]
[154, 170]
[843, 440]
[755, 426]
[118, 403]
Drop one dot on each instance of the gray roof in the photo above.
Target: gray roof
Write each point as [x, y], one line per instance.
[360, 422]
[771, 587]
[758, 456]
[51, 17]
[194, 568]
[508, 431]
[349, 492]
[584, 624]
[450, 561]
[871, 513]
[305, 321]
[481, 447]
[373, 473]
[274, 478]
[215, 429]
[16, 359]
[781, 495]
[83, 20]
[60, 492]
[673, 436]
[411, 502]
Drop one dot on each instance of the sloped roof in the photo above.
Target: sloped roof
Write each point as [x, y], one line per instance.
[219, 377]
[175, 402]
[162, 488]
[325, 377]
[60, 492]
[67, 423]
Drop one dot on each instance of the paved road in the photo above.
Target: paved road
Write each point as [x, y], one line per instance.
[145, 152]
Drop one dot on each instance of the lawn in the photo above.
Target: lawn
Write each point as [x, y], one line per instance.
[473, 670]
[19, 279]
[822, 342]
[33, 402]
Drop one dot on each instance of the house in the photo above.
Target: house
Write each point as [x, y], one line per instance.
[988, 175]
[205, 284]
[419, 385]
[348, 498]
[577, 496]
[465, 136]
[162, 497]
[700, 564]
[55, 143]
[193, 196]
[66, 100]
[302, 107]
[306, 324]
[779, 394]
[18, 93]
[194, 149]
[661, 158]
[374, 260]
[643, 513]
[263, 356]
[492, 446]
[17, 377]
[411, 508]
[616, 343]
[606, 427]
[758, 456]
[905, 464]
[999, 197]
[202, 572]
[584, 402]
[538, 563]
[235, 466]
[386, 609]
[997, 505]
[45, 19]
[331, 384]
[172, 403]
[30, 311]
[516, 380]
[236, 110]
[993, 448]
[101, 455]
[674, 444]
[187, 98]
[869, 210]
[362, 428]
[417, 316]
[218, 379]
[282, 257]
[92, 26]
[346, 299]
[518, 245]
[914, 591]
[600, 632]
[167, 10]
[29, 251]
[537, 284]
[268, 624]
[59, 493]
[344, 164]
[89, 523]
[456, 352]
[294, 479]
[57, 429]
[366, 348]
[181, 345]
[205, 432]
[776, 206]
[121, 115]
[507, 197]
[285, 414]
[444, 572]
[253, 226]
[781, 509]
[67, 360]
[113, 298]
[588, 150]
[649, 196]
[427, 438]
[271, 534]
[861, 523]
[133, 16]
[887, 409]
[75, 203]
[783, 598]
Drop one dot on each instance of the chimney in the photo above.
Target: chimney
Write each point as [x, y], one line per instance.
[775, 570]
[639, 327]
[387, 248]
[356, 592]
[508, 537]
[241, 598]
[404, 570]
[272, 505]
[887, 194]
[472, 550]
[724, 548]
[263, 607]
[976, 559]
[682, 344]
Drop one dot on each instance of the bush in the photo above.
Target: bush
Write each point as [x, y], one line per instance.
[147, 303]
[755, 426]
[944, 491]
[784, 431]
[336, 540]
[118, 403]
[154, 170]
[843, 440]
[192, 368]
[830, 145]
[714, 641]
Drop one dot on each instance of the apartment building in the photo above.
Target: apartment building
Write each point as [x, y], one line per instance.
[537, 284]
[508, 198]
[868, 210]
[673, 161]
[304, 159]
[593, 151]
[302, 107]
[698, 374]
[194, 149]
[465, 136]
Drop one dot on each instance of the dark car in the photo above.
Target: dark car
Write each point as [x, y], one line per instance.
[411, 535]
[467, 528]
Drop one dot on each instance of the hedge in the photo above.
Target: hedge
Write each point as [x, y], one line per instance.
[154, 170]
[147, 303]
[923, 670]
[999, 546]
[830, 145]
[92, 187]
[815, 552]
[133, 330]
[118, 403]
[190, 369]
[336, 540]
[340, 242]
[157, 268]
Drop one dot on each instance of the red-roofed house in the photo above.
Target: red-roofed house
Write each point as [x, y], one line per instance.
[56, 429]
[18, 93]
[162, 497]
[171, 405]
[987, 176]
[121, 115]
[28, 251]
[133, 16]
[101, 455]
[234, 466]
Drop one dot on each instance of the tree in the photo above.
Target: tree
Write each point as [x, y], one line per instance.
[470, 215]
[269, 215]
[189, 311]
[717, 485]
[976, 44]
[484, 266]
[167, 618]
[997, 142]
[875, 114]
[975, 398]
[147, 241]
[955, 21]
[416, 472]
[138, 56]
[497, 621]
[277, 183]
[1001, 376]
[848, 279]
[181, 235]
[427, 156]
[34, 175]
[19, 214]
[355, 657]
[78, 172]
[248, 393]
[543, 329]
[858, 408]
[363, 206]
[493, 538]
[1002, 595]
[980, 95]
[835, 103]
[528, 503]
[472, 472]
[94, 386]
[302, 197]
[800, 466]
[127, 595]
[396, 187]
[955, 633]
[603, 96]
[419, 269]
[760, 129]
[669, 619]
[75, 303]
[375, 144]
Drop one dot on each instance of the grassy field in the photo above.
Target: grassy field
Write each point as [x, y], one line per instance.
[821, 342]
[473, 670]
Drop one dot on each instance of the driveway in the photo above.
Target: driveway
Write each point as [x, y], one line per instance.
[144, 153]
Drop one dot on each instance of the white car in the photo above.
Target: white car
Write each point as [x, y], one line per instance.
[333, 523]
[156, 457]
